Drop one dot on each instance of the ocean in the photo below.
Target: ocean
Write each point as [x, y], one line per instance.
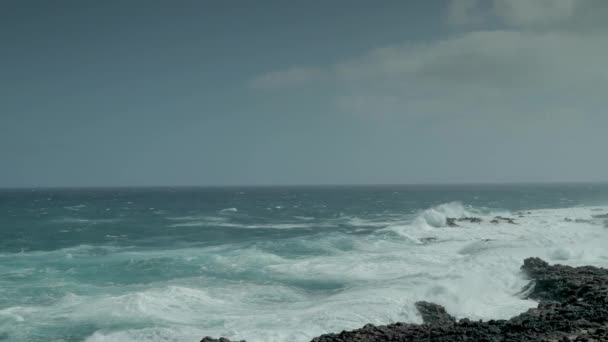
[277, 263]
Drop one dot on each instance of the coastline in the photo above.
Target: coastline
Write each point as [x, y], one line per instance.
[573, 306]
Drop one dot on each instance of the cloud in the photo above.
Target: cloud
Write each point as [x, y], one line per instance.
[291, 77]
[494, 59]
[519, 13]
[481, 73]
[466, 12]
[478, 74]
[526, 12]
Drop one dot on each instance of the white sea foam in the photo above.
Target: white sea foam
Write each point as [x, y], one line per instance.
[76, 207]
[196, 218]
[436, 217]
[205, 223]
[82, 220]
[249, 292]
[304, 218]
[283, 226]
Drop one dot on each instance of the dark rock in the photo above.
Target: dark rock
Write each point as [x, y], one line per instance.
[601, 216]
[221, 339]
[561, 283]
[433, 314]
[428, 239]
[451, 222]
[470, 219]
[498, 219]
[567, 219]
[573, 307]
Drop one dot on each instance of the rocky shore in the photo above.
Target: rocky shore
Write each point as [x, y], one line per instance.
[573, 306]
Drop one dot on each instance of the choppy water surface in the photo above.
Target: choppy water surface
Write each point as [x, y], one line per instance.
[276, 264]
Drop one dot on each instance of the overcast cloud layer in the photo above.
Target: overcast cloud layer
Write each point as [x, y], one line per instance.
[445, 91]
[525, 79]
[534, 60]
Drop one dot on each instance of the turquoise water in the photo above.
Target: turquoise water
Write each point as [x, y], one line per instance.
[275, 264]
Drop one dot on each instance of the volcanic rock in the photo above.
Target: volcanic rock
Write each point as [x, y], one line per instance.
[573, 307]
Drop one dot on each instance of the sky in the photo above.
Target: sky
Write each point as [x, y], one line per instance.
[146, 93]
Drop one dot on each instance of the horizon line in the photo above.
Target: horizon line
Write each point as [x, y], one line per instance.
[215, 186]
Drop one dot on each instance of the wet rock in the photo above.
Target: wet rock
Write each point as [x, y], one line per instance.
[573, 306]
[470, 219]
[451, 222]
[578, 220]
[499, 219]
[433, 314]
[221, 339]
[563, 283]
[429, 239]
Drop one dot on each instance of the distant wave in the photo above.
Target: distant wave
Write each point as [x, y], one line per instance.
[322, 282]
[84, 220]
[304, 218]
[437, 216]
[196, 218]
[247, 226]
[75, 207]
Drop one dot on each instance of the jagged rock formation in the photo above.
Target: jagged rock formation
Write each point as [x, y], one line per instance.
[470, 219]
[211, 339]
[499, 219]
[573, 306]
[433, 313]
[451, 221]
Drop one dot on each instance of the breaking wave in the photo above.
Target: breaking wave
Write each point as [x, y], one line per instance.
[294, 287]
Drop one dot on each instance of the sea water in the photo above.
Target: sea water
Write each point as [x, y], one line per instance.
[277, 263]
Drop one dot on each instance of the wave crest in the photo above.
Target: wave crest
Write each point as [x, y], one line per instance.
[437, 216]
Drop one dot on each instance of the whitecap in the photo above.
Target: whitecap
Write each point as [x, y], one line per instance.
[246, 292]
[437, 216]
[84, 220]
[304, 218]
[75, 207]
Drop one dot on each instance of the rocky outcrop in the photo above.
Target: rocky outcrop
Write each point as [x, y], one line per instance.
[451, 221]
[471, 219]
[499, 219]
[573, 306]
[577, 220]
[221, 339]
[433, 314]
